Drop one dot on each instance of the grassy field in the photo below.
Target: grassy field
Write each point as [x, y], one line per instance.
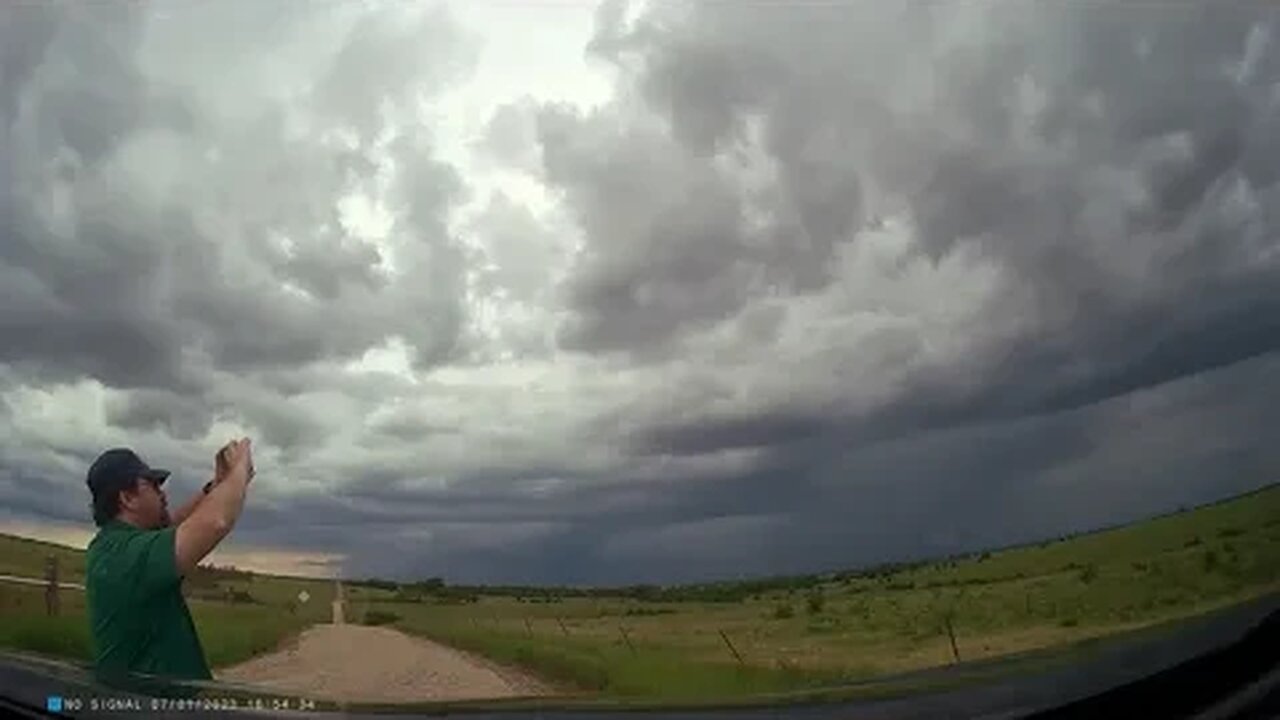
[24, 557]
[841, 627]
[232, 629]
[231, 632]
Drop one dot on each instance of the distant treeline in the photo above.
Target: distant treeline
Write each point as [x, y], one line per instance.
[208, 575]
[437, 589]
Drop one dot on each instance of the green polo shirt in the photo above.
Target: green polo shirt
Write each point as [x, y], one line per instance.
[138, 617]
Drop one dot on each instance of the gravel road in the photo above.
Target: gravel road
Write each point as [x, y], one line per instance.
[359, 663]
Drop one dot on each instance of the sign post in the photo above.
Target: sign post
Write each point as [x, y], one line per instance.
[339, 604]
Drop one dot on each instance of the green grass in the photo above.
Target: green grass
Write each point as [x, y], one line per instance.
[230, 633]
[1008, 602]
[65, 636]
[24, 557]
[999, 604]
[233, 634]
[643, 669]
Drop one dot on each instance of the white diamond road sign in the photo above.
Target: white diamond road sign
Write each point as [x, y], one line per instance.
[303, 596]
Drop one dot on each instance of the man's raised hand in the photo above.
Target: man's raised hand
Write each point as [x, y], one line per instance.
[222, 462]
[239, 456]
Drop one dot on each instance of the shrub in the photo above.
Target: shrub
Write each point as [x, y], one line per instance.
[783, 611]
[1210, 561]
[822, 626]
[642, 611]
[1089, 573]
[815, 602]
[380, 617]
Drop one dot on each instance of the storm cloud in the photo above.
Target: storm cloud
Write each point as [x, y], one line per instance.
[643, 291]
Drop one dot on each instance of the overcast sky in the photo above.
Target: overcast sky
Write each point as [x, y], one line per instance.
[570, 293]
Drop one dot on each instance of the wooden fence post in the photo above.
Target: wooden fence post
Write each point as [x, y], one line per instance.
[51, 586]
[955, 651]
[563, 629]
[732, 649]
[627, 639]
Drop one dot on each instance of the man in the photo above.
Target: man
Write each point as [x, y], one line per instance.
[139, 620]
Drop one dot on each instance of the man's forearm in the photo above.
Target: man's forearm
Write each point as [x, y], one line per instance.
[224, 501]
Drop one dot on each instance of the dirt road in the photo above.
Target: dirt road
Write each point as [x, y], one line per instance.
[357, 663]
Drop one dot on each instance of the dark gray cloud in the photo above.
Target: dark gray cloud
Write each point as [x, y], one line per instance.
[822, 506]
[134, 236]
[814, 286]
[1096, 157]
[180, 416]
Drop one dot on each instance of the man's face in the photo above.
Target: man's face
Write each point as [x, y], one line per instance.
[149, 504]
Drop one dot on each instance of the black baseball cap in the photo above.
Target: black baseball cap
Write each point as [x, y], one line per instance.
[119, 469]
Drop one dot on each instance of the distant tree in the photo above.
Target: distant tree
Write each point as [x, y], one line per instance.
[1210, 561]
[815, 602]
[380, 617]
[1089, 573]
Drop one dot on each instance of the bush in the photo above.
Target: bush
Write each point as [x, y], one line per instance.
[643, 611]
[380, 617]
[1089, 573]
[823, 626]
[815, 603]
[783, 611]
[1210, 561]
